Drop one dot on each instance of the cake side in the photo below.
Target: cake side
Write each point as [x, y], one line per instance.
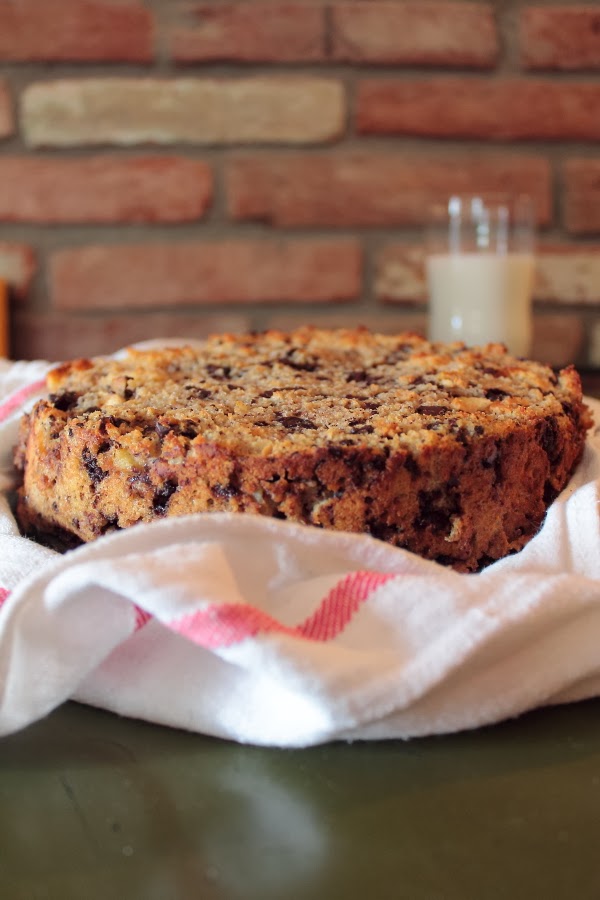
[454, 454]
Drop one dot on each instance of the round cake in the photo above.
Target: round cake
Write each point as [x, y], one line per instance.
[453, 453]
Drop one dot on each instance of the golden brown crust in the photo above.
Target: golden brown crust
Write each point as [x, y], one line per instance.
[452, 453]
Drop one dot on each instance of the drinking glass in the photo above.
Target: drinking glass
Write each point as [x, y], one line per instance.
[480, 270]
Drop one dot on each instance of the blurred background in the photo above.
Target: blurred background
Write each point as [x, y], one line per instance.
[175, 168]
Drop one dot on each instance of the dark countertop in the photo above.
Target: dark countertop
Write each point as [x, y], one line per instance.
[95, 807]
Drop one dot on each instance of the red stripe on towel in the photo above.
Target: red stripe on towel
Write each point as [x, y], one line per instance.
[4, 592]
[141, 617]
[17, 399]
[222, 625]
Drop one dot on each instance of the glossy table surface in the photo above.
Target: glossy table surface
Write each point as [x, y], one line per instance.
[93, 806]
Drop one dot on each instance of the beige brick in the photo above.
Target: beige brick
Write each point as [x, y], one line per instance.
[569, 274]
[58, 336]
[250, 32]
[496, 109]
[17, 266]
[377, 188]
[77, 30]
[582, 196]
[565, 274]
[206, 272]
[128, 111]
[103, 189]
[560, 37]
[415, 33]
[400, 274]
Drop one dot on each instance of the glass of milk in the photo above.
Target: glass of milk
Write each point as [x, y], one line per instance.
[480, 270]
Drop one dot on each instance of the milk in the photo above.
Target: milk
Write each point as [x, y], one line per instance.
[481, 297]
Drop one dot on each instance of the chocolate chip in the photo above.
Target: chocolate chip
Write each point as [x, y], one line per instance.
[412, 466]
[378, 463]
[362, 377]
[95, 473]
[65, 401]
[398, 355]
[225, 491]
[550, 438]
[162, 495]
[432, 410]
[197, 393]
[461, 434]
[186, 429]
[436, 510]
[218, 372]
[381, 531]
[116, 421]
[111, 524]
[550, 493]
[567, 408]
[295, 423]
[495, 394]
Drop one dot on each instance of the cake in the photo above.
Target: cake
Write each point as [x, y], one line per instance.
[453, 453]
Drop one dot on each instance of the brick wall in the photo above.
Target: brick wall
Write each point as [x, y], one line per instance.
[174, 167]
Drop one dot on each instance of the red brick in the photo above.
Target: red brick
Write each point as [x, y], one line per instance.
[201, 272]
[55, 336]
[455, 107]
[415, 33]
[17, 266]
[582, 196]
[251, 32]
[103, 189]
[7, 124]
[372, 189]
[560, 37]
[558, 339]
[77, 30]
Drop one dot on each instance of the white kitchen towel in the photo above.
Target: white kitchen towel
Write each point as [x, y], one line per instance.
[272, 633]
